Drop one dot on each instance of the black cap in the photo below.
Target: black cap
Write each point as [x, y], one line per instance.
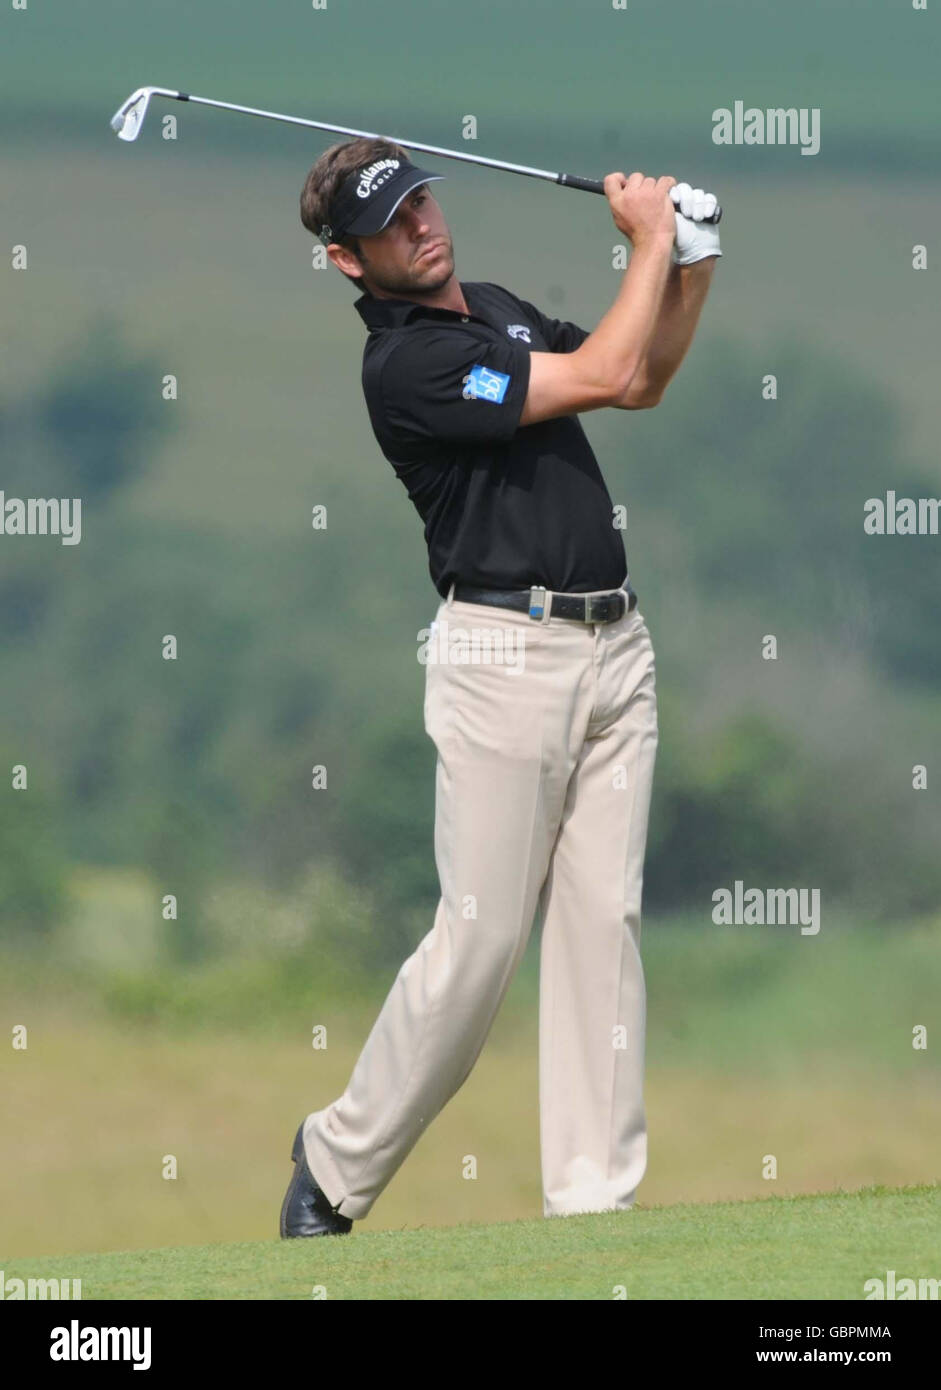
[366, 199]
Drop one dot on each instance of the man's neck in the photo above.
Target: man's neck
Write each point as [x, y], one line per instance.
[449, 296]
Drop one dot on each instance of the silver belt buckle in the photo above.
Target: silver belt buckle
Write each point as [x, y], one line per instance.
[589, 601]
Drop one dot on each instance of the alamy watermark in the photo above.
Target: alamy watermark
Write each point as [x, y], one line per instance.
[37, 1290]
[902, 1289]
[42, 516]
[901, 516]
[773, 125]
[741, 906]
[445, 645]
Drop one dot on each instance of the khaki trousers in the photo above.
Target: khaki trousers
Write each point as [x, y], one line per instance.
[543, 785]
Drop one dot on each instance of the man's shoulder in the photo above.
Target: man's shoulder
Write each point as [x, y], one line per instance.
[406, 343]
[411, 358]
[488, 290]
[503, 301]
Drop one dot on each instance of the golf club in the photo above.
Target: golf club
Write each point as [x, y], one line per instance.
[129, 118]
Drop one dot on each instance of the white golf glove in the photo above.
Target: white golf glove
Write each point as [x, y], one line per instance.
[695, 239]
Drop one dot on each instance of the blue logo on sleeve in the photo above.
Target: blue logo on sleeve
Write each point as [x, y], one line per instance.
[483, 384]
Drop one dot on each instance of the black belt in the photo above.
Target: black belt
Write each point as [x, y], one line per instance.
[583, 608]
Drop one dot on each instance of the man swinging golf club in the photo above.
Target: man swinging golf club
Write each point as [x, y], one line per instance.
[544, 773]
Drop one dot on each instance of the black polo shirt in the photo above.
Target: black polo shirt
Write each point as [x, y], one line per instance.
[505, 506]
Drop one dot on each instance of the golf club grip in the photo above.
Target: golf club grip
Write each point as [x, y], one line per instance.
[596, 186]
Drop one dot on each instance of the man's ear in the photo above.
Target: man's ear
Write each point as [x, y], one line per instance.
[345, 260]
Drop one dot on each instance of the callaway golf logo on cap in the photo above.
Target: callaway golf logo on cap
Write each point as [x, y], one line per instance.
[367, 198]
[375, 176]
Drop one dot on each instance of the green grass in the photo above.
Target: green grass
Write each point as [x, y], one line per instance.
[821, 1246]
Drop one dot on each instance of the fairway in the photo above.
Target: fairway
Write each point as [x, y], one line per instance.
[823, 1246]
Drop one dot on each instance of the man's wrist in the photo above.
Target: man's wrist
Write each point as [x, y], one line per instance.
[653, 240]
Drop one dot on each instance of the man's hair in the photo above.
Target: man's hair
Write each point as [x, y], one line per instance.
[326, 176]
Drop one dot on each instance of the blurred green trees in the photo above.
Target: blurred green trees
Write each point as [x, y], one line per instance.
[767, 499]
[198, 771]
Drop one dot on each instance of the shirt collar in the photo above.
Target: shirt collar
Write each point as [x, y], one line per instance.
[395, 313]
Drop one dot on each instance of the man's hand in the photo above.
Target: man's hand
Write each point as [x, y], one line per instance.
[600, 371]
[641, 206]
[695, 239]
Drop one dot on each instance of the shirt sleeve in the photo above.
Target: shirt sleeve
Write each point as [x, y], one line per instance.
[454, 385]
[560, 335]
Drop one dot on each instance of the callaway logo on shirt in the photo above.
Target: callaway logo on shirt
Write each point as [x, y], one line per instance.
[519, 330]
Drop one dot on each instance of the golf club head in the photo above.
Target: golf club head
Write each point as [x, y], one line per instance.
[129, 118]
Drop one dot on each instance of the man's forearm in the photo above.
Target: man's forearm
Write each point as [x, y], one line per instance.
[615, 351]
[683, 299]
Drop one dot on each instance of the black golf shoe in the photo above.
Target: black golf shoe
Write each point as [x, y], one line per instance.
[305, 1210]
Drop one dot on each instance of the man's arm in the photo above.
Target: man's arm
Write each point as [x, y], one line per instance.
[683, 299]
[601, 371]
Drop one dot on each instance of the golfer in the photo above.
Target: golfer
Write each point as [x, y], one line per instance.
[546, 749]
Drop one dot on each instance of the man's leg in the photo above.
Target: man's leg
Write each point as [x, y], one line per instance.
[506, 749]
[592, 995]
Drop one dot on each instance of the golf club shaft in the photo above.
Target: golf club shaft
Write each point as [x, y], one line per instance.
[566, 180]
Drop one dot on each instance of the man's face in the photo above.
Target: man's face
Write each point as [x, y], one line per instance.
[413, 255]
